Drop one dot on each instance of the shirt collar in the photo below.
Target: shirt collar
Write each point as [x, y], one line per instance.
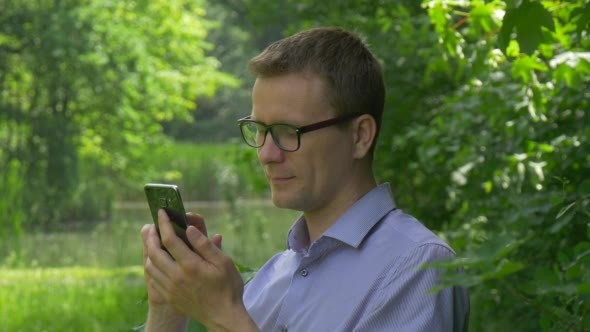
[353, 226]
[298, 238]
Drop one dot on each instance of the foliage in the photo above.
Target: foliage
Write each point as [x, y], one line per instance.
[203, 172]
[215, 118]
[511, 138]
[85, 85]
[488, 142]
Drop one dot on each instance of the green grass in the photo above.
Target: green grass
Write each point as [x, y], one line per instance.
[71, 299]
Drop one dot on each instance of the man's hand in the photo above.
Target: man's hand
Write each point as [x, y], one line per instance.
[202, 284]
[162, 316]
[149, 230]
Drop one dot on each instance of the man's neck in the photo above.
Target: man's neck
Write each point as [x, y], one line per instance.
[318, 221]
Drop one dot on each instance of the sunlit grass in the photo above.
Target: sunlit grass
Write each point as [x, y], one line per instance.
[71, 299]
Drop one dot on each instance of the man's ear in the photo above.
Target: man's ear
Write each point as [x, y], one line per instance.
[364, 130]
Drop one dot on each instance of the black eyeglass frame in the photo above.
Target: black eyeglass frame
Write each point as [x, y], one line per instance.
[298, 130]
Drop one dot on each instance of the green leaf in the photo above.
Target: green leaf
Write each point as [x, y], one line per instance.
[196, 327]
[577, 259]
[513, 3]
[508, 248]
[524, 66]
[513, 49]
[581, 16]
[533, 16]
[565, 217]
[572, 68]
[548, 148]
[584, 187]
[564, 210]
[508, 24]
[584, 288]
[527, 21]
[545, 275]
[504, 268]
[562, 223]
[488, 186]
[574, 272]
[246, 272]
[481, 16]
[438, 16]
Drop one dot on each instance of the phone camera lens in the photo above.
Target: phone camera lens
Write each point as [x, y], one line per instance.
[163, 202]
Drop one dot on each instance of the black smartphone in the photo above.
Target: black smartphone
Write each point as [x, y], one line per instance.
[167, 197]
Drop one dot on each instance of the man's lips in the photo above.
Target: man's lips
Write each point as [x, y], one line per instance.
[280, 179]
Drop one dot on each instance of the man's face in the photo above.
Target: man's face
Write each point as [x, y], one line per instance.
[310, 178]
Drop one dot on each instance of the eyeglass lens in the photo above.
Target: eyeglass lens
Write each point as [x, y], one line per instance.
[285, 136]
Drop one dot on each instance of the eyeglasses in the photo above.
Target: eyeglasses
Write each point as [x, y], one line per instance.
[287, 137]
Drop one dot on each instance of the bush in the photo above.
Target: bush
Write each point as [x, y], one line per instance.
[203, 171]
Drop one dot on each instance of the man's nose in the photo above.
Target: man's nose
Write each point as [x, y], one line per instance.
[270, 152]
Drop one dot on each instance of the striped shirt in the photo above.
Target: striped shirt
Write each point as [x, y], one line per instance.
[363, 274]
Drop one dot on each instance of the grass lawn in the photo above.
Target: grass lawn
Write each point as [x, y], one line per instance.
[71, 299]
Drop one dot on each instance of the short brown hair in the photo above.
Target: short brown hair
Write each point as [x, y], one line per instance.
[353, 74]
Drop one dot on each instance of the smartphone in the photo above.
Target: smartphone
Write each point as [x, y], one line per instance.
[167, 197]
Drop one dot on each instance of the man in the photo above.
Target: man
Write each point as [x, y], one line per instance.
[354, 260]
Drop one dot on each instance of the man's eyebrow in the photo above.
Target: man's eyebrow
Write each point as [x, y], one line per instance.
[289, 123]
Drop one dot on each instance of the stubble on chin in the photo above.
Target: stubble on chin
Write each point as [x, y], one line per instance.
[286, 201]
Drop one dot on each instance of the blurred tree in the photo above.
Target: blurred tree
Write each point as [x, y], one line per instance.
[85, 85]
[235, 41]
[513, 140]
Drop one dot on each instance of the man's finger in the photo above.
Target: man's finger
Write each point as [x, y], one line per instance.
[217, 240]
[174, 244]
[144, 235]
[203, 246]
[155, 274]
[156, 255]
[158, 287]
[198, 221]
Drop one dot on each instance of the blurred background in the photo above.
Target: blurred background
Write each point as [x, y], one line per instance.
[485, 139]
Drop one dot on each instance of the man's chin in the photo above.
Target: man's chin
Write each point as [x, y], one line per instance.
[278, 202]
[283, 201]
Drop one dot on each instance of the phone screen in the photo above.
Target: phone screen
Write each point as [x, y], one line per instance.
[167, 197]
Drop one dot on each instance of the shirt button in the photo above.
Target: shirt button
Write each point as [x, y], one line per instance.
[282, 329]
[304, 273]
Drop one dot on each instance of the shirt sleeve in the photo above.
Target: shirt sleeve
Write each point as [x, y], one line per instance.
[406, 302]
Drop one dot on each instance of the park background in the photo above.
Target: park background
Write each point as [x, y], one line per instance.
[485, 139]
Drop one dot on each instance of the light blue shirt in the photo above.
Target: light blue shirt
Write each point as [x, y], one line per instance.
[363, 274]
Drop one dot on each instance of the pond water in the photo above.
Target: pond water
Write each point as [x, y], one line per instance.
[252, 231]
